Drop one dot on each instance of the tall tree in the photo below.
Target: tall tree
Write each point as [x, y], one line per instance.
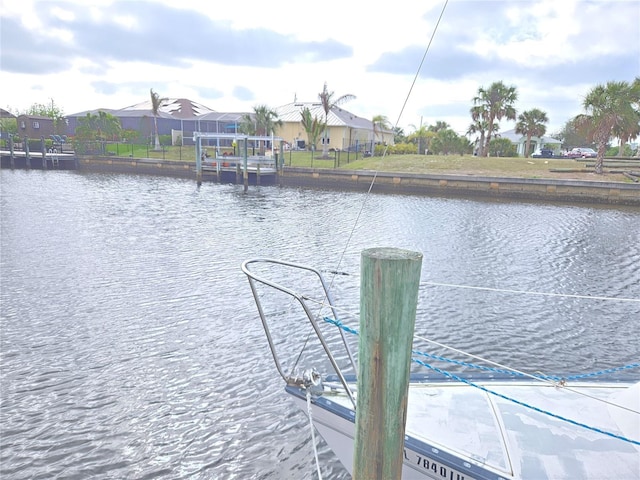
[479, 125]
[380, 123]
[531, 124]
[50, 110]
[266, 121]
[571, 136]
[329, 100]
[422, 137]
[439, 126]
[608, 107]
[312, 125]
[496, 103]
[156, 103]
[99, 126]
[263, 121]
[447, 141]
[248, 124]
[630, 130]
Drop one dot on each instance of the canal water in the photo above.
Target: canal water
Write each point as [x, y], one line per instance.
[131, 346]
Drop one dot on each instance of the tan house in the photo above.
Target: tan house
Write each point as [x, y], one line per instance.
[344, 129]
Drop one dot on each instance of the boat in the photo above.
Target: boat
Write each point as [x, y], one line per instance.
[498, 424]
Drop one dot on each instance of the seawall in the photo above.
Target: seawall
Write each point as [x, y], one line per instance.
[614, 193]
[617, 193]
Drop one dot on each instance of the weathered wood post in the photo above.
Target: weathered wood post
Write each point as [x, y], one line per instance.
[12, 152]
[43, 149]
[258, 173]
[389, 284]
[26, 151]
[198, 140]
[245, 155]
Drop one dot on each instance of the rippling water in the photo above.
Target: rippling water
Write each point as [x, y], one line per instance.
[131, 348]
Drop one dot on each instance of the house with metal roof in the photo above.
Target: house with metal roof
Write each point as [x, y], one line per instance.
[344, 129]
[178, 117]
[536, 142]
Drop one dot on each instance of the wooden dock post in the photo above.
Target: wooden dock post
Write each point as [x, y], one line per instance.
[389, 284]
[12, 152]
[198, 161]
[245, 155]
[26, 151]
[43, 149]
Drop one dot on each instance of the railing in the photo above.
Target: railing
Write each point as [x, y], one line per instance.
[304, 301]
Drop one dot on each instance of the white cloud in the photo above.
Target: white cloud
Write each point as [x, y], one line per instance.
[233, 55]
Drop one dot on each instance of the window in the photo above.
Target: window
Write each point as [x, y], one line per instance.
[23, 125]
[36, 124]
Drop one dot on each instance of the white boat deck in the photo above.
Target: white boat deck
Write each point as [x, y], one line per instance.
[514, 441]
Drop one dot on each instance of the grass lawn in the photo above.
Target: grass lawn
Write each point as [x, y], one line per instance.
[437, 164]
[461, 165]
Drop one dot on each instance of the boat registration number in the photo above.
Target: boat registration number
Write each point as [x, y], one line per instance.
[432, 468]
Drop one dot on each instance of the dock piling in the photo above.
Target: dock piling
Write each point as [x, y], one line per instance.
[389, 284]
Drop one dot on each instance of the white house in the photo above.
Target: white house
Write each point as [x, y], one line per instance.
[536, 142]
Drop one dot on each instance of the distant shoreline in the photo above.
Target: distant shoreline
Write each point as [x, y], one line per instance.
[432, 184]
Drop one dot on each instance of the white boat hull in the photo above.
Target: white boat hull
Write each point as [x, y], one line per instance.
[494, 438]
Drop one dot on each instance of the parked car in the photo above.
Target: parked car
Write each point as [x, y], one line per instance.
[543, 153]
[582, 152]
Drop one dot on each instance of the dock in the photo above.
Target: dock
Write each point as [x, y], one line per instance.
[262, 167]
[38, 160]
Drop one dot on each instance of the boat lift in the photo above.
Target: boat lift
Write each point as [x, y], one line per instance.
[236, 139]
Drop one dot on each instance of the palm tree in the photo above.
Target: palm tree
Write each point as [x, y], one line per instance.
[495, 103]
[439, 126]
[422, 136]
[631, 130]
[312, 125]
[101, 126]
[248, 124]
[532, 124]
[156, 103]
[266, 120]
[480, 125]
[609, 108]
[380, 123]
[329, 101]
[262, 121]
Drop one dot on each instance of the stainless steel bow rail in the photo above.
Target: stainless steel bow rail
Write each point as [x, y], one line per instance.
[309, 379]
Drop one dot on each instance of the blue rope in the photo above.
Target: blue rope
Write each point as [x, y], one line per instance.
[452, 376]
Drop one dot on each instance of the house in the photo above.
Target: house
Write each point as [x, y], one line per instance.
[35, 126]
[344, 129]
[177, 117]
[181, 117]
[536, 142]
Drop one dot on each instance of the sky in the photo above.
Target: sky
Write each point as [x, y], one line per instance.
[415, 62]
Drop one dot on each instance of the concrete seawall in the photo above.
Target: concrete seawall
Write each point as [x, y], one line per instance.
[617, 193]
[149, 166]
[614, 193]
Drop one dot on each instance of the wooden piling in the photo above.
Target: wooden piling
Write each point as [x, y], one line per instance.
[198, 161]
[245, 155]
[12, 152]
[26, 151]
[389, 284]
[43, 149]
